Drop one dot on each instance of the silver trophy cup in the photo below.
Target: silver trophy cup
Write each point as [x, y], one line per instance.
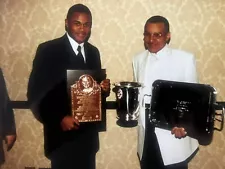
[127, 100]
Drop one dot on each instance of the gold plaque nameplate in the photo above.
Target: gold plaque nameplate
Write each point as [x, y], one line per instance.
[86, 99]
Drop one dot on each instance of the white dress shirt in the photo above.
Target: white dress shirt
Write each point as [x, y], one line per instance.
[75, 45]
[167, 64]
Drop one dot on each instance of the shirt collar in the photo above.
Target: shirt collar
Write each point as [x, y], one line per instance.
[160, 54]
[74, 44]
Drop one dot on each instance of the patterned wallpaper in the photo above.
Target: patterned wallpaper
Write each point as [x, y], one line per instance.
[196, 26]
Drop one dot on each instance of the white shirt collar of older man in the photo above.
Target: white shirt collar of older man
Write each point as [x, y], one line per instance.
[74, 45]
[160, 54]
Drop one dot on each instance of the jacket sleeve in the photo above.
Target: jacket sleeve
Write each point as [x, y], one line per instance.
[44, 90]
[9, 127]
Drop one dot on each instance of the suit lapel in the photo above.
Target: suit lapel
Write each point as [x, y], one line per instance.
[69, 53]
[90, 56]
[92, 59]
[70, 56]
[142, 68]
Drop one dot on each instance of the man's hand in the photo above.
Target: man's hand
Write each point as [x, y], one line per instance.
[10, 140]
[69, 123]
[105, 85]
[179, 132]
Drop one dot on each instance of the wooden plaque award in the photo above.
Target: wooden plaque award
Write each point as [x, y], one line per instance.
[85, 94]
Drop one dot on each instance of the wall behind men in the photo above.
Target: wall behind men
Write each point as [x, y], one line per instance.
[196, 26]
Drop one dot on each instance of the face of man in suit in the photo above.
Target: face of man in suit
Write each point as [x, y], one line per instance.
[155, 37]
[78, 26]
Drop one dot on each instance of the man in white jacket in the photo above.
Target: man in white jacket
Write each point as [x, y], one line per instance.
[162, 149]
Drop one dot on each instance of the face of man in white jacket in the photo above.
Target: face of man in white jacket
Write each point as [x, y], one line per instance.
[155, 36]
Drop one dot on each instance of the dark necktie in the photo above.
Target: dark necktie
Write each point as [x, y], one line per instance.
[80, 56]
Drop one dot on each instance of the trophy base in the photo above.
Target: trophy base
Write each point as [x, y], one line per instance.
[123, 123]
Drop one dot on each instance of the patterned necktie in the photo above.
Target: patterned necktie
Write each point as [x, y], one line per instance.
[80, 56]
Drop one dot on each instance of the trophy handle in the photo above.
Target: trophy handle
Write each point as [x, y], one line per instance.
[135, 114]
[127, 101]
[221, 120]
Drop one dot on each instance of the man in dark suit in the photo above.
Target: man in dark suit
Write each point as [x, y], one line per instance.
[68, 144]
[7, 121]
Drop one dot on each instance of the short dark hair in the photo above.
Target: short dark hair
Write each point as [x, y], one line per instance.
[159, 19]
[78, 8]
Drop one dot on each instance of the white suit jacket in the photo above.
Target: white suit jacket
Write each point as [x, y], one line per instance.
[167, 64]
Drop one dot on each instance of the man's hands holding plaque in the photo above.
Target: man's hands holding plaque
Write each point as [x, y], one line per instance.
[179, 132]
[105, 85]
[69, 123]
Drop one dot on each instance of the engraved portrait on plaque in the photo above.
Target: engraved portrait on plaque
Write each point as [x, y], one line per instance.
[86, 99]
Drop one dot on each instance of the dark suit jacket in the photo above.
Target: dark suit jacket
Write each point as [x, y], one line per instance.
[7, 122]
[47, 92]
